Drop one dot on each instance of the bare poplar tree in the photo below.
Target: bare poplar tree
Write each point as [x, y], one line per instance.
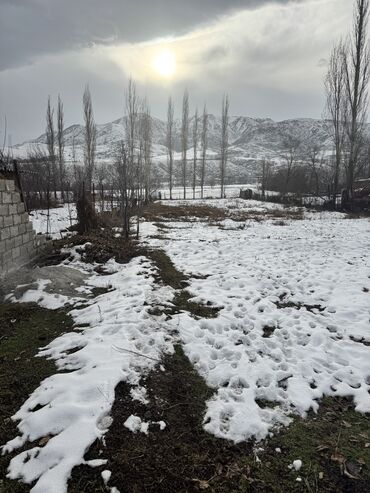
[146, 148]
[266, 169]
[60, 141]
[292, 148]
[313, 155]
[50, 142]
[130, 159]
[90, 138]
[224, 141]
[148, 152]
[356, 72]
[123, 185]
[204, 149]
[169, 142]
[335, 109]
[184, 137]
[195, 144]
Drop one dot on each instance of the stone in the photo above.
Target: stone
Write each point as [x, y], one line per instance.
[4, 209]
[13, 209]
[8, 221]
[17, 219]
[9, 185]
[4, 233]
[6, 198]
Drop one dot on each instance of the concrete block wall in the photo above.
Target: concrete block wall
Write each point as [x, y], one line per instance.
[17, 238]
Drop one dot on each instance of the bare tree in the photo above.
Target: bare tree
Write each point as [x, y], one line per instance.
[312, 152]
[169, 142]
[292, 148]
[60, 141]
[204, 149]
[130, 158]
[147, 149]
[50, 142]
[90, 138]
[184, 137]
[335, 109]
[356, 73]
[121, 163]
[195, 144]
[224, 141]
[266, 169]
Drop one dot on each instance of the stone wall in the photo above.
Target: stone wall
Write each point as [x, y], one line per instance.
[17, 238]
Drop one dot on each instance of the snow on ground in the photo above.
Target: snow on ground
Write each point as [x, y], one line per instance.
[294, 313]
[60, 218]
[209, 191]
[230, 204]
[121, 342]
[267, 354]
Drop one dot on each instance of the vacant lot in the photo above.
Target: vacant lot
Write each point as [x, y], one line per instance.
[225, 351]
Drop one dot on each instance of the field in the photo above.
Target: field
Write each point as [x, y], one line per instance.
[226, 350]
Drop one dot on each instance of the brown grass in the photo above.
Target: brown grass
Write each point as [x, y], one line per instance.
[162, 213]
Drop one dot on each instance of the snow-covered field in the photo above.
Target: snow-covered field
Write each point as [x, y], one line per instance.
[294, 315]
[59, 219]
[208, 192]
[72, 408]
[294, 304]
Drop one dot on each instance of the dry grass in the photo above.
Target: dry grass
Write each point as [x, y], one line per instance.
[164, 213]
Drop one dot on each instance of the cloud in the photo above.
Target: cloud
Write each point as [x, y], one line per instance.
[31, 28]
[265, 58]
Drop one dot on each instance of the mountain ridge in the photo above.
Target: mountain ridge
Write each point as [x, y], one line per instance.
[251, 140]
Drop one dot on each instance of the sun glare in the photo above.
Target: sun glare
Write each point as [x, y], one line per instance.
[164, 63]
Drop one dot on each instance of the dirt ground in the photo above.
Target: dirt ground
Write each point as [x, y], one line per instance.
[334, 444]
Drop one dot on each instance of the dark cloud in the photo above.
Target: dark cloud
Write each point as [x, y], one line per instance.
[30, 28]
[266, 59]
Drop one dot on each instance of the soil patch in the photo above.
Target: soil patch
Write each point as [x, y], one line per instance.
[24, 329]
[184, 458]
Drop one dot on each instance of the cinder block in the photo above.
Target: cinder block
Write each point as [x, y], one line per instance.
[24, 218]
[20, 208]
[21, 228]
[6, 198]
[28, 226]
[2, 246]
[9, 244]
[17, 219]
[4, 208]
[8, 221]
[13, 209]
[18, 241]
[1, 222]
[4, 233]
[16, 197]
[14, 231]
[2, 185]
[9, 185]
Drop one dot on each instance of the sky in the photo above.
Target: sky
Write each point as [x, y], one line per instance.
[269, 55]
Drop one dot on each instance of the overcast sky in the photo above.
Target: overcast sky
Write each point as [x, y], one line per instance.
[270, 56]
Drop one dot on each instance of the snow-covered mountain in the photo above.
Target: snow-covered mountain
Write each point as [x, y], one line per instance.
[251, 139]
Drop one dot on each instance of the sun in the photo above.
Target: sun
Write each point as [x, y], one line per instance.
[164, 63]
